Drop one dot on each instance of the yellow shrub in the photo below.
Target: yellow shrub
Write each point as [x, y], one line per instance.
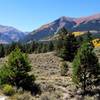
[96, 42]
[8, 89]
[78, 33]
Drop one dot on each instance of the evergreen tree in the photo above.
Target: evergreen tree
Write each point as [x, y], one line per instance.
[19, 66]
[5, 75]
[80, 39]
[50, 46]
[2, 51]
[58, 45]
[62, 33]
[44, 48]
[67, 52]
[66, 45]
[64, 68]
[86, 69]
[40, 48]
[89, 36]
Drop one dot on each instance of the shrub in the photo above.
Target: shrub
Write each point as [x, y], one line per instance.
[44, 97]
[47, 96]
[8, 89]
[20, 90]
[24, 96]
[64, 69]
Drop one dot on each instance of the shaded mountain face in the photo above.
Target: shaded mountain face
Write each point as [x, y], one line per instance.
[10, 34]
[71, 24]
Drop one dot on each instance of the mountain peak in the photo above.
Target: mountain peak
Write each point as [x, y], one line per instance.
[64, 18]
[10, 34]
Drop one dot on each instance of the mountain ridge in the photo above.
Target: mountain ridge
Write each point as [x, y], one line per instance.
[70, 23]
[9, 34]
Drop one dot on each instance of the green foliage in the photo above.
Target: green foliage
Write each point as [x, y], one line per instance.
[10, 47]
[43, 48]
[61, 38]
[62, 33]
[50, 46]
[63, 53]
[2, 52]
[6, 75]
[85, 67]
[58, 45]
[16, 71]
[18, 62]
[64, 68]
[8, 89]
[31, 47]
[89, 37]
[67, 46]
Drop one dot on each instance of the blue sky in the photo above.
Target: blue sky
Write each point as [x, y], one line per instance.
[27, 15]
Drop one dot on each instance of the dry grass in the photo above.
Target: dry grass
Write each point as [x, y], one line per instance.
[45, 66]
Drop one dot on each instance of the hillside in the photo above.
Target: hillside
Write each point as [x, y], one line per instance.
[45, 66]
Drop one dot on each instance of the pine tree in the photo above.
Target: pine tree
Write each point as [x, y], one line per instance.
[62, 33]
[86, 69]
[64, 68]
[19, 66]
[89, 36]
[2, 51]
[50, 46]
[67, 52]
[44, 48]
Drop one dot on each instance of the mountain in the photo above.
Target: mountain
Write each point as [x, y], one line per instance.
[10, 34]
[90, 23]
[51, 28]
[87, 23]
